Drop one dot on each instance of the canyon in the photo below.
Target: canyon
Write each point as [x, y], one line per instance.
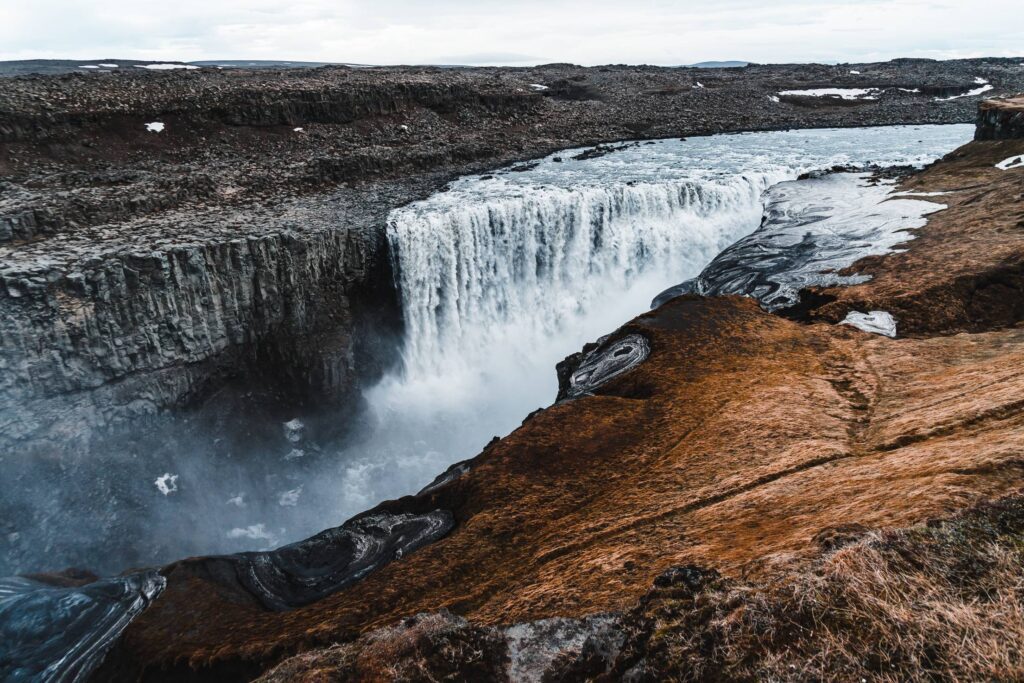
[238, 268]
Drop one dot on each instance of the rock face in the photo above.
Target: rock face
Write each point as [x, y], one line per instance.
[92, 338]
[310, 570]
[62, 632]
[1001, 119]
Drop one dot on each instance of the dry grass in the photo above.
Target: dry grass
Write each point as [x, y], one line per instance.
[940, 602]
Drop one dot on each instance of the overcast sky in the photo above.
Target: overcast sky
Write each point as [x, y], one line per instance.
[511, 32]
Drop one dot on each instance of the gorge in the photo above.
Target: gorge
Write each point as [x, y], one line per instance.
[226, 375]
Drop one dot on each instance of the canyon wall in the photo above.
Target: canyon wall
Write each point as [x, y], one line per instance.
[1001, 119]
[106, 338]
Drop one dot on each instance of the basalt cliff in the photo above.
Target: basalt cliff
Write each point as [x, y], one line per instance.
[723, 489]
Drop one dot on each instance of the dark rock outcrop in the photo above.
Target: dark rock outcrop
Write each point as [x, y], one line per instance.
[62, 633]
[93, 337]
[1001, 119]
[310, 570]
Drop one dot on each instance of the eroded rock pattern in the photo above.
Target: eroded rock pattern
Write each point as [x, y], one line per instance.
[812, 230]
[609, 360]
[307, 571]
[60, 634]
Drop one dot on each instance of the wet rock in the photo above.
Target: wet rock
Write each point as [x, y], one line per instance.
[812, 230]
[62, 633]
[307, 571]
[609, 360]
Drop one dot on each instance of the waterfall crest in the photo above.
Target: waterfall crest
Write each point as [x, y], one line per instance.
[531, 263]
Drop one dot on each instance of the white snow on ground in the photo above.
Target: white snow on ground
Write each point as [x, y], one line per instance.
[1012, 162]
[854, 72]
[973, 93]
[87, 66]
[980, 81]
[911, 193]
[109, 66]
[774, 98]
[844, 93]
[298, 130]
[167, 483]
[698, 85]
[876, 322]
[910, 89]
[166, 67]
[538, 86]
[155, 127]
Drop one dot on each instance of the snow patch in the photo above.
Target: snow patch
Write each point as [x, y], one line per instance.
[298, 129]
[698, 84]
[109, 66]
[842, 93]
[973, 93]
[774, 98]
[538, 87]
[155, 127]
[855, 72]
[1012, 162]
[87, 66]
[166, 67]
[166, 483]
[876, 322]
[293, 430]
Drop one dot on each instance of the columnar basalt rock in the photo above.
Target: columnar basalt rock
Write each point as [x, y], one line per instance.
[1001, 119]
[93, 337]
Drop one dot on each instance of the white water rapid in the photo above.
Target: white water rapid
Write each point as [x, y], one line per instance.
[502, 275]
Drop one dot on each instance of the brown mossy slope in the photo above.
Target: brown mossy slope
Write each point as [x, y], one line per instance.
[742, 438]
[965, 269]
[939, 601]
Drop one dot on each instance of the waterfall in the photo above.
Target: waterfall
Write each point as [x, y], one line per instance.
[529, 265]
[503, 275]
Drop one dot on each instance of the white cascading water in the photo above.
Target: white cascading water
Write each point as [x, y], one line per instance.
[503, 275]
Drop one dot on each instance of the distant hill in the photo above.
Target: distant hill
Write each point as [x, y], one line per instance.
[65, 66]
[719, 65]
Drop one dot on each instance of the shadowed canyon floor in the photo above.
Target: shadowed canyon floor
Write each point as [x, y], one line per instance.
[744, 443]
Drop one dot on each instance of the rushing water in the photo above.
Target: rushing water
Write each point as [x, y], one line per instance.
[501, 276]
[504, 274]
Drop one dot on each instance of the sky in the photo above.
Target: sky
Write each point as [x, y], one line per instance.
[511, 32]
